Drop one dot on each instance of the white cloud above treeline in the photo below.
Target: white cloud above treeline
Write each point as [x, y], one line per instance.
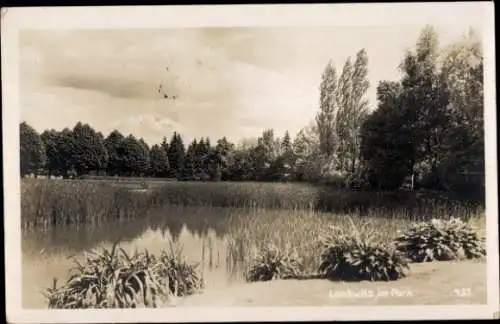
[227, 82]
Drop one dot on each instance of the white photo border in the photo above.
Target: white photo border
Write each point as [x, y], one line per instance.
[15, 20]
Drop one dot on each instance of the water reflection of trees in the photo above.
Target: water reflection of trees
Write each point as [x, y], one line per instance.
[174, 227]
[81, 238]
[198, 221]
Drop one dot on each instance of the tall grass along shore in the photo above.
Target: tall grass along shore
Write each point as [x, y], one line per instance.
[48, 203]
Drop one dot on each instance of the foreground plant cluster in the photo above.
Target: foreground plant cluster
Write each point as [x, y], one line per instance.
[114, 279]
[441, 241]
[344, 252]
[350, 256]
[272, 263]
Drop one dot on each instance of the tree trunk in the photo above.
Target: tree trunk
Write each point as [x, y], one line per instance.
[412, 173]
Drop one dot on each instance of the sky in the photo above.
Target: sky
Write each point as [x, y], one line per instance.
[232, 82]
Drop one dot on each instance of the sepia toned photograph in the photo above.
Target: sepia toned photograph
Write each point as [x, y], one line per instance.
[179, 161]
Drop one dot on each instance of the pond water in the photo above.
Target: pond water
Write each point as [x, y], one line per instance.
[201, 232]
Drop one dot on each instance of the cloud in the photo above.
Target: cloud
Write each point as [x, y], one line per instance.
[151, 124]
[103, 77]
[276, 100]
[112, 86]
[129, 64]
[230, 82]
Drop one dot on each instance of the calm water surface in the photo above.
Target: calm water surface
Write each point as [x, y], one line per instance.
[201, 232]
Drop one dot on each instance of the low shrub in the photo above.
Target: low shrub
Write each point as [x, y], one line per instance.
[113, 279]
[348, 257]
[271, 263]
[441, 240]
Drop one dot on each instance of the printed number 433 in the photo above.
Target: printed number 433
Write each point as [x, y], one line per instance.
[462, 292]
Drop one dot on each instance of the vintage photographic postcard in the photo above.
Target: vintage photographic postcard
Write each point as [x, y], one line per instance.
[250, 163]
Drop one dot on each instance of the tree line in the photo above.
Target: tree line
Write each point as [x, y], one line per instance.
[82, 150]
[427, 126]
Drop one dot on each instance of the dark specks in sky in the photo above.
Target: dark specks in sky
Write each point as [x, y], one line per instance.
[168, 95]
[162, 91]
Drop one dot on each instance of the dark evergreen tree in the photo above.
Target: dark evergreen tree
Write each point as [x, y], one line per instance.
[88, 151]
[113, 145]
[190, 162]
[32, 150]
[176, 153]
[164, 145]
[65, 145]
[243, 167]
[159, 162]
[386, 140]
[225, 152]
[54, 163]
[135, 157]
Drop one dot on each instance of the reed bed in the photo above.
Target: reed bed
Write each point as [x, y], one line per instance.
[236, 194]
[50, 203]
[291, 196]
